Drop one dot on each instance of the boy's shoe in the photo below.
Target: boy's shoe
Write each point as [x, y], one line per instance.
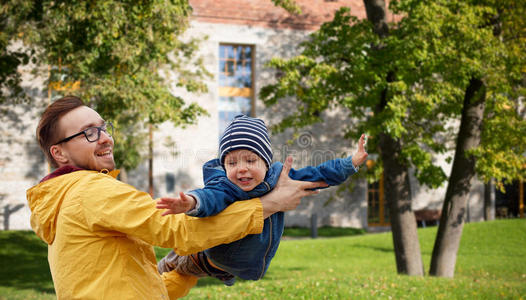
[195, 264]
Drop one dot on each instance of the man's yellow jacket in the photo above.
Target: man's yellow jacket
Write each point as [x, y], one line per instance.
[100, 233]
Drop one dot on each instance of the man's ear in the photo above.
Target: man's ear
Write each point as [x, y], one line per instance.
[58, 154]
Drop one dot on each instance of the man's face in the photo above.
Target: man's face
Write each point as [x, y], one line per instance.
[78, 151]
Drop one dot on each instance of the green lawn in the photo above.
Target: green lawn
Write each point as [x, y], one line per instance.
[491, 264]
[322, 231]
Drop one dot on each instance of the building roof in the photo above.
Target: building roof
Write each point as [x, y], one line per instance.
[263, 13]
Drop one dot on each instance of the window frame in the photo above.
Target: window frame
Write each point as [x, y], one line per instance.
[229, 91]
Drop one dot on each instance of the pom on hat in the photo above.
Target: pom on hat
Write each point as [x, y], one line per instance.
[246, 133]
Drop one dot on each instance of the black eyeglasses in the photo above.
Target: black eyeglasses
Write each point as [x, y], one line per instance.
[92, 134]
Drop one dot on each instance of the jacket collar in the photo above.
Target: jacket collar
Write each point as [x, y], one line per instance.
[61, 171]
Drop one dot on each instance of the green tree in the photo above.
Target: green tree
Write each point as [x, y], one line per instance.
[412, 85]
[13, 16]
[490, 109]
[347, 64]
[125, 58]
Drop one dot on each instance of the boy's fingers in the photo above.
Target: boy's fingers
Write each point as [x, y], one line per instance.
[166, 200]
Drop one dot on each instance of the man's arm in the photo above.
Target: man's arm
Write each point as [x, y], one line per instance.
[112, 207]
[123, 209]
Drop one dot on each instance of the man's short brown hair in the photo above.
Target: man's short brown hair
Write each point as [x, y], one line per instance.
[47, 130]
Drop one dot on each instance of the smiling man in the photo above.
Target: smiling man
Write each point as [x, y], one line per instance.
[100, 231]
[97, 154]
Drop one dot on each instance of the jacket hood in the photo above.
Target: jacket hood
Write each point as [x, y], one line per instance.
[45, 199]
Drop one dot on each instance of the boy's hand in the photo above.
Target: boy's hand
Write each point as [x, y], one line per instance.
[176, 205]
[360, 156]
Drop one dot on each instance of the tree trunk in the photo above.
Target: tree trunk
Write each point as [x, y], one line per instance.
[447, 241]
[398, 195]
[397, 187]
[376, 14]
[489, 201]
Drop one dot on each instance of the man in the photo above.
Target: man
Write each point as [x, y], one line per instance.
[100, 231]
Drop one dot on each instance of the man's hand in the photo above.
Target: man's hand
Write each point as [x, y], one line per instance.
[287, 193]
[360, 156]
[176, 205]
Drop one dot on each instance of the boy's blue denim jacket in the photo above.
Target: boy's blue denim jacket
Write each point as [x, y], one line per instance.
[250, 257]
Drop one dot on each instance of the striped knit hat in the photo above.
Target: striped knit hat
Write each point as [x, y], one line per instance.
[246, 133]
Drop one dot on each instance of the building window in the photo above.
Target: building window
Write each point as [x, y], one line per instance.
[377, 208]
[511, 203]
[236, 82]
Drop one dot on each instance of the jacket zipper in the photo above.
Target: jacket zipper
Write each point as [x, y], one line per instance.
[268, 248]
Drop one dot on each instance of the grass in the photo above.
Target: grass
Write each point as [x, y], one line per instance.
[25, 271]
[322, 231]
[491, 264]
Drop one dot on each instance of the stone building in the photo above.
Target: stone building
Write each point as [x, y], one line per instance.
[240, 37]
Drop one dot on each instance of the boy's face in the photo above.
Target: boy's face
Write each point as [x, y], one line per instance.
[245, 169]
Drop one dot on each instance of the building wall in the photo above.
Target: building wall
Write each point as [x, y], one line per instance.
[22, 164]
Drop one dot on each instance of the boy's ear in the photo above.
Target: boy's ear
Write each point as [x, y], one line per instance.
[58, 154]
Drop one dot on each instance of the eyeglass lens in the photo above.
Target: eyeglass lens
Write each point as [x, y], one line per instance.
[93, 133]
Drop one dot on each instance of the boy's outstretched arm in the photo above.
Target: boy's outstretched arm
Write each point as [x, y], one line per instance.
[334, 171]
[176, 205]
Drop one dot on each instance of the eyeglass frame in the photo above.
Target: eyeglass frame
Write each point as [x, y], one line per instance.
[103, 127]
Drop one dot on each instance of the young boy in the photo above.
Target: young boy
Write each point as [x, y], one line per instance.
[245, 155]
